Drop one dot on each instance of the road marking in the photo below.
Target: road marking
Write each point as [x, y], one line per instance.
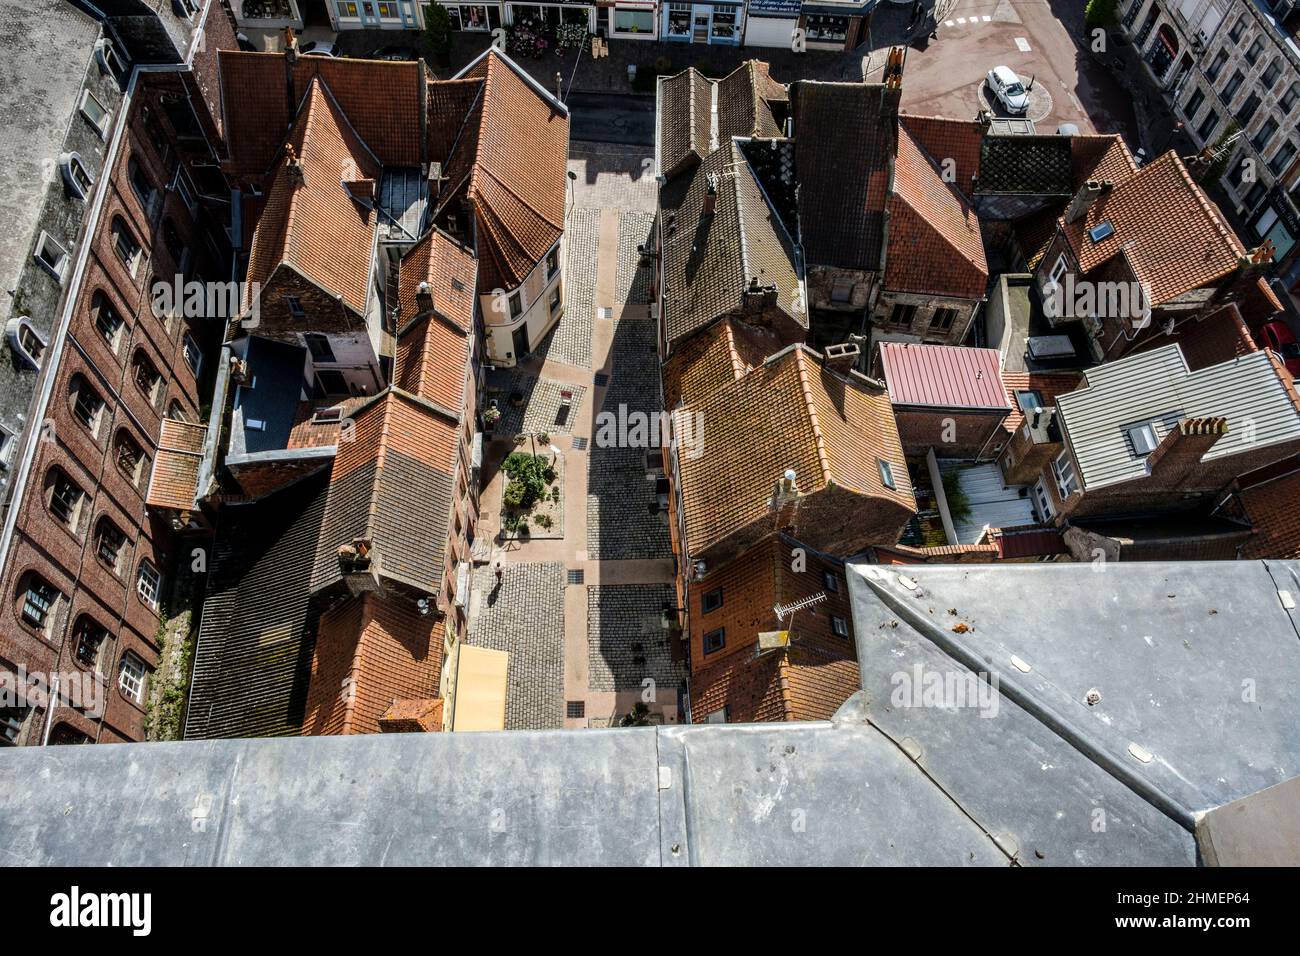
[949, 23]
[987, 19]
[961, 19]
[1022, 44]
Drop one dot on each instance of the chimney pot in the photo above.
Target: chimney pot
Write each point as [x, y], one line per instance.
[1088, 193]
[841, 357]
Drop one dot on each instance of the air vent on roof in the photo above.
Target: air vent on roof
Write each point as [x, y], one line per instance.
[1101, 231]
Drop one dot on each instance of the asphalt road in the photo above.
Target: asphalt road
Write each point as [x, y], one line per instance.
[627, 119]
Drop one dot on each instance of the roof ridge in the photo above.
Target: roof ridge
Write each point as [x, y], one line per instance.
[1204, 201]
[818, 437]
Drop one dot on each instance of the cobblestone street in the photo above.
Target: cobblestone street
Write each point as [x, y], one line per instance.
[601, 588]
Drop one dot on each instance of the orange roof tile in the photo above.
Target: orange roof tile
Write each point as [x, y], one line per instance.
[174, 480]
[942, 138]
[1172, 233]
[935, 244]
[719, 355]
[1272, 509]
[315, 225]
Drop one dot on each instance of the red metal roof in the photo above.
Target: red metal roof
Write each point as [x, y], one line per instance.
[943, 376]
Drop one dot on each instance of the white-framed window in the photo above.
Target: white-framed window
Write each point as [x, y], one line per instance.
[1058, 270]
[39, 601]
[634, 22]
[25, 340]
[839, 626]
[148, 583]
[75, 174]
[51, 254]
[7, 444]
[125, 244]
[1066, 480]
[87, 406]
[95, 112]
[130, 677]
[110, 61]
[1044, 501]
[193, 354]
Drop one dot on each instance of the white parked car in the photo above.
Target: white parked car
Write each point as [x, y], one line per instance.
[318, 48]
[1006, 86]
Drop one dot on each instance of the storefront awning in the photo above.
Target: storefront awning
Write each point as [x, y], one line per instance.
[841, 9]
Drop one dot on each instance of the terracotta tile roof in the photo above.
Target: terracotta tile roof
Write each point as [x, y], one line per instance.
[685, 120]
[392, 485]
[1101, 157]
[844, 146]
[1221, 335]
[174, 480]
[449, 269]
[450, 103]
[719, 355]
[433, 349]
[309, 432]
[315, 225]
[789, 413]
[1047, 384]
[943, 376]
[811, 678]
[258, 104]
[1271, 508]
[518, 172]
[369, 652]
[1173, 234]
[935, 243]
[942, 138]
[710, 261]
[1035, 232]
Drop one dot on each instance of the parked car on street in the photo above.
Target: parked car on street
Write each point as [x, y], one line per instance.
[1277, 336]
[394, 52]
[318, 48]
[1010, 92]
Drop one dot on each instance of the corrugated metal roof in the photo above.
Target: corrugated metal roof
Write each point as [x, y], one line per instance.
[943, 376]
[1153, 385]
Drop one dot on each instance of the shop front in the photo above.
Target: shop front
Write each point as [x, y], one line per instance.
[772, 23]
[475, 17]
[704, 22]
[630, 20]
[830, 25]
[375, 15]
[547, 18]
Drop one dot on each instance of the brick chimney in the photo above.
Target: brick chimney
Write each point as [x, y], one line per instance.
[710, 196]
[1088, 193]
[1176, 460]
[290, 45]
[294, 165]
[758, 298]
[841, 357]
[423, 298]
[421, 715]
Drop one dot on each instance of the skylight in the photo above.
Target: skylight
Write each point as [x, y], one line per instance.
[1101, 231]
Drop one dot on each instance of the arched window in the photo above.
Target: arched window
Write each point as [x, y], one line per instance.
[38, 601]
[110, 544]
[75, 175]
[143, 187]
[146, 375]
[125, 245]
[87, 406]
[107, 320]
[131, 676]
[27, 343]
[63, 498]
[176, 411]
[89, 639]
[131, 459]
[148, 583]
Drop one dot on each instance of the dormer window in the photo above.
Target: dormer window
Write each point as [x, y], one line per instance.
[75, 174]
[25, 341]
[110, 61]
[95, 112]
[51, 255]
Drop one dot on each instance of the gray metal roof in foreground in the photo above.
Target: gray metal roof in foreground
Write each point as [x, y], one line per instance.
[1042, 778]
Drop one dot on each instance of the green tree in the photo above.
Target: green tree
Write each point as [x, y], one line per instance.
[437, 30]
[1100, 13]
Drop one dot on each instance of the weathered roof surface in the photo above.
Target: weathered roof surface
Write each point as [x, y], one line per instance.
[743, 102]
[843, 148]
[44, 55]
[518, 171]
[710, 260]
[949, 139]
[888, 784]
[1047, 384]
[315, 225]
[433, 349]
[1247, 390]
[253, 652]
[935, 243]
[788, 413]
[685, 120]
[1101, 157]
[450, 103]
[1165, 646]
[1272, 509]
[719, 355]
[1219, 336]
[943, 376]
[1032, 165]
[174, 480]
[1174, 235]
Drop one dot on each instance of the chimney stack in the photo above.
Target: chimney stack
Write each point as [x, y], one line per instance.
[841, 357]
[758, 298]
[424, 298]
[710, 195]
[1176, 461]
[294, 165]
[1088, 194]
[290, 45]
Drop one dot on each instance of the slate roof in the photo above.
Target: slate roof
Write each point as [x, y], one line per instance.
[1175, 237]
[515, 153]
[710, 261]
[315, 225]
[788, 413]
[1034, 165]
[685, 120]
[935, 243]
[843, 149]
[744, 102]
